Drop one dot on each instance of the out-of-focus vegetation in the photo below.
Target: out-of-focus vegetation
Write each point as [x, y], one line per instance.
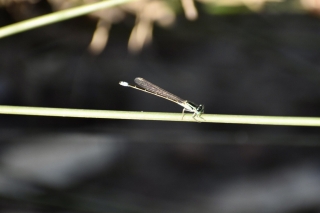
[162, 12]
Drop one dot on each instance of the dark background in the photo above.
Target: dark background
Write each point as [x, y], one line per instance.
[241, 62]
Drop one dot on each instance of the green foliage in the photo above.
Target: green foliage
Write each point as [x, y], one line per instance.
[225, 10]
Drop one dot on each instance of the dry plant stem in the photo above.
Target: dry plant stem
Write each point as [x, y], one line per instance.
[160, 116]
[57, 17]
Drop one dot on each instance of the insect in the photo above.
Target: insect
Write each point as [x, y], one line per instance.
[149, 87]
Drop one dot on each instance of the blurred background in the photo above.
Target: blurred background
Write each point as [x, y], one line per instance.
[248, 57]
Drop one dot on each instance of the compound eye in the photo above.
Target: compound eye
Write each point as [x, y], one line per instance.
[200, 108]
